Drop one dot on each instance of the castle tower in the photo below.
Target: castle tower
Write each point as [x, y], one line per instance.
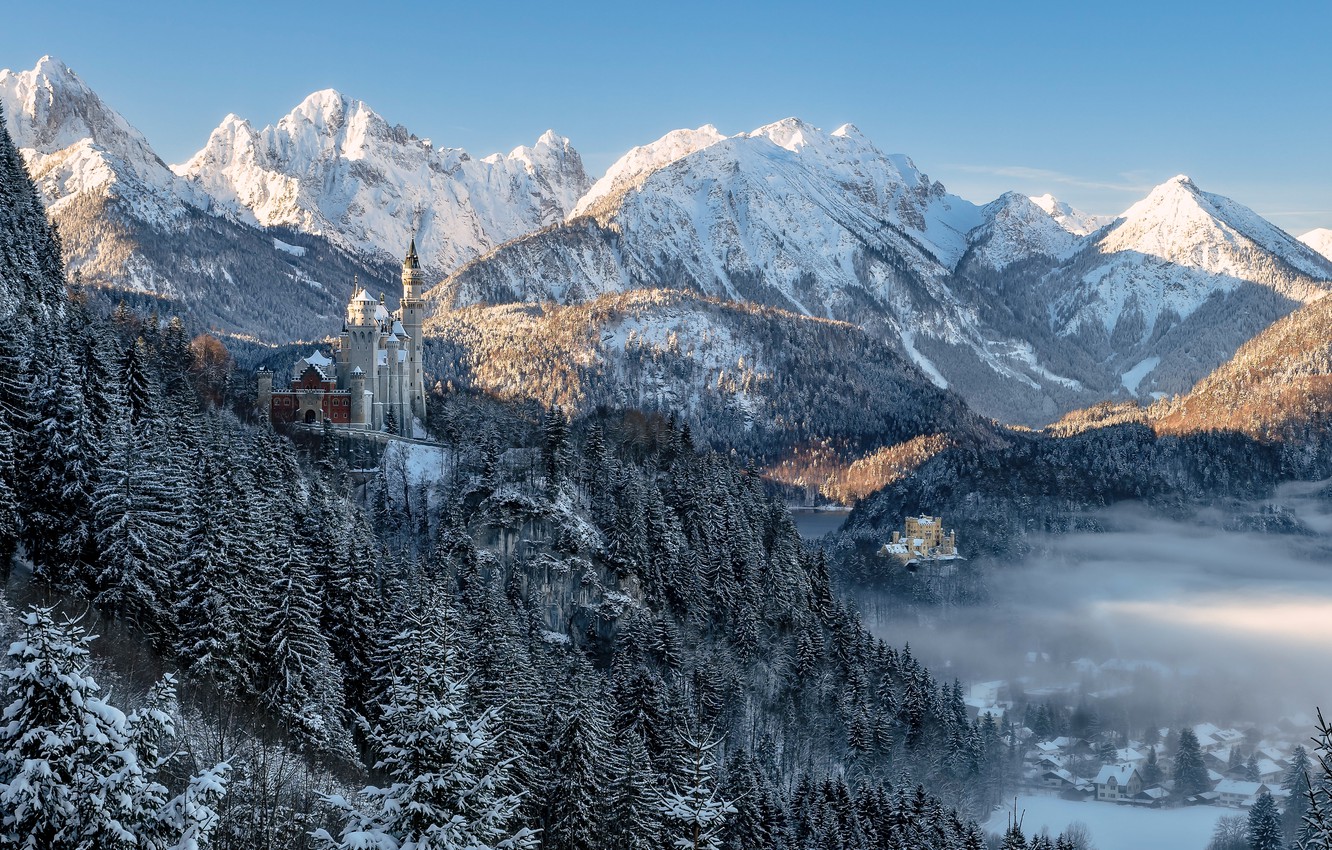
[413, 319]
[356, 386]
[360, 339]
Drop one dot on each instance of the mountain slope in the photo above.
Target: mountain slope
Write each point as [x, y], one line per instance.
[1152, 302]
[333, 166]
[820, 224]
[1320, 240]
[759, 380]
[130, 226]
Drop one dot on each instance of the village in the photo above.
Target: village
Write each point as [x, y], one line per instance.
[1108, 766]
[1069, 721]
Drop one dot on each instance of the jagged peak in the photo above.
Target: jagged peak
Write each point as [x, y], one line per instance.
[849, 131]
[790, 133]
[551, 139]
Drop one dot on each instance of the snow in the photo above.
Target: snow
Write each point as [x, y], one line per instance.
[1175, 248]
[1134, 376]
[1320, 240]
[294, 250]
[74, 144]
[335, 167]
[630, 169]
[926, 366]
[1117, 827]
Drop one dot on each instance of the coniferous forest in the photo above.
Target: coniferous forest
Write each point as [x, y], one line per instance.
[589, 634]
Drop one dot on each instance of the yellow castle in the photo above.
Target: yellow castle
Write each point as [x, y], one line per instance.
[923, 539]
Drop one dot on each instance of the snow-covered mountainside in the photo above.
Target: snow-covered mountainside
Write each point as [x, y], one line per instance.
[1320, 240]
[75, 146]
[1170, 289]
[630, 169]
[333, 166]
[1017, 228]
[817, 223]
[758, 379]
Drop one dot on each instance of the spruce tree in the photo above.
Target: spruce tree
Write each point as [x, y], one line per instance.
[694, 811]
[1190, 771]
[1263, 830]
[447, 789]
[75, 771]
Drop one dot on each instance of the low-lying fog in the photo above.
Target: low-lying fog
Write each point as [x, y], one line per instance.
[1236, 626]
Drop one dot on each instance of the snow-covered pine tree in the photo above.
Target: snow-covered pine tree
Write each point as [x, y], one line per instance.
[1296, 785]
[305, 688]
[1263, 829]
[694, 812]
[135, 505]
[447, 790]
[75, 771]
[576, 786]
[1190, 771]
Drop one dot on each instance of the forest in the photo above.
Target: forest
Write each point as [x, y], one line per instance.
[590, 634]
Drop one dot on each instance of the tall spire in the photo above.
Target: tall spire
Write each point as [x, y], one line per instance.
[411, 262]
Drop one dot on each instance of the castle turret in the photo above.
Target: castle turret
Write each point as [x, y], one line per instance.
[361, 336]
[356, 386]
[413, 318]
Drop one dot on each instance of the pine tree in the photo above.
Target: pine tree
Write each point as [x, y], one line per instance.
[1151, 769]
[447, 789]
[136, 526]
[1263, 831]
[1190, 771]
[75, 771]
[694, 812]
[305, 688]
[576, 758]
[1296, 785]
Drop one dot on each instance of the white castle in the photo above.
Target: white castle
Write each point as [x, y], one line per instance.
[376, 380]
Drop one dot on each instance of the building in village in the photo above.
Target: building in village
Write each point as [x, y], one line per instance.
[375, 379]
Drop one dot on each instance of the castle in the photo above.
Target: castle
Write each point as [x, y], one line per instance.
[376, 380]
[923, 540]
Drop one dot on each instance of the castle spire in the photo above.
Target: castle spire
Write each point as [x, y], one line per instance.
[411, 261]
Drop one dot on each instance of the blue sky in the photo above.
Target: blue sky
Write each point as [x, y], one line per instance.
[1092, 102]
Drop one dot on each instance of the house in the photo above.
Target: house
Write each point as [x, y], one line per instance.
[1128, 755]
[1060, 780]
[1151, 797]
[1117, 783]
[1239, 793]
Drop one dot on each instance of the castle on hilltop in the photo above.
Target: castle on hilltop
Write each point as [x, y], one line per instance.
[923, 540]
[376, 378]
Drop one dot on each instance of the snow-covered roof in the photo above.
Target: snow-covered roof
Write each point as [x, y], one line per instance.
[1154, 793]
[362, 297]
[1240, 786]
[320, 363]
[397, 328]
[381, 312]
[1128, 754]
[1121, 773]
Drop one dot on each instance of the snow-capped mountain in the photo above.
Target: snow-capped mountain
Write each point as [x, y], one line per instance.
[1176, 248]
[1169, 290]
[1320, 240]
[630, 169]
[818, 223]
[333, 166]
[1017, 228]
[75, 145]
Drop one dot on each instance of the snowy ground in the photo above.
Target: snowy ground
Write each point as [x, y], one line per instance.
[1116, 827]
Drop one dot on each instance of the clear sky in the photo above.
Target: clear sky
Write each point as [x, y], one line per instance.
[1093, 102]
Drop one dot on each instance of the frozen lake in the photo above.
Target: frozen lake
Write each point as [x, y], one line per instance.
[813, 523]
[1115, 827]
